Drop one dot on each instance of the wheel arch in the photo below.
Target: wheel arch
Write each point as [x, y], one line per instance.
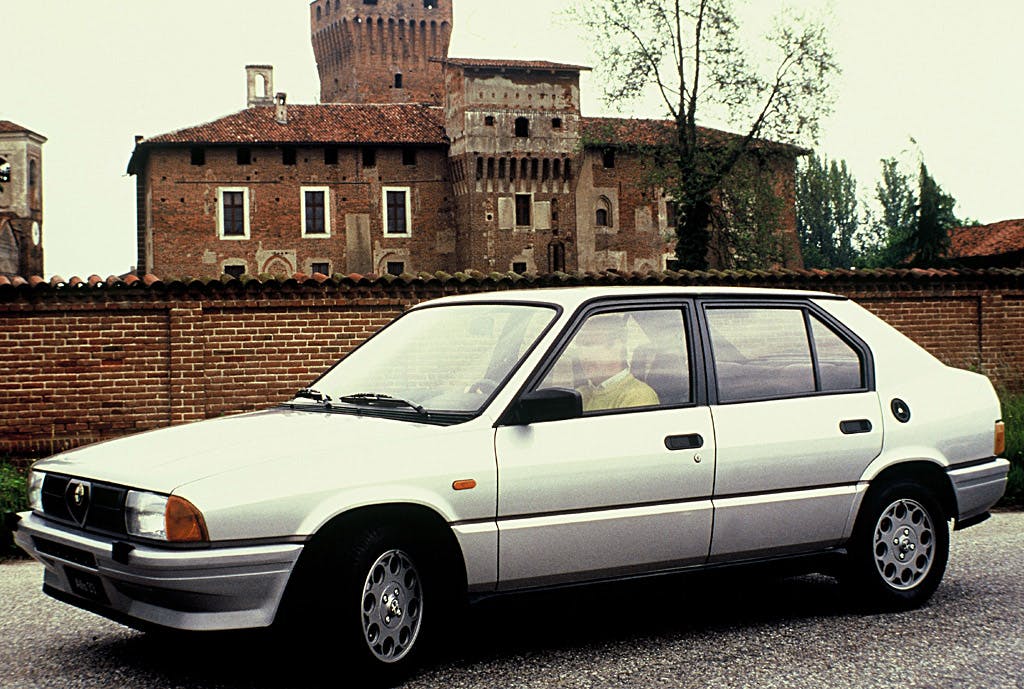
[928, 474]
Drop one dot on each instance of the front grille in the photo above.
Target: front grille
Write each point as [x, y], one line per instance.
[106, 504]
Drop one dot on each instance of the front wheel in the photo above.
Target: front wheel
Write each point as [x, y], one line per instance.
[899, 548]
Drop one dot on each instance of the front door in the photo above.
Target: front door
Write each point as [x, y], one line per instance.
[627, 487]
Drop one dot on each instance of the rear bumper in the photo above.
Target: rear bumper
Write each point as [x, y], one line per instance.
[978, 487]
[202, 590]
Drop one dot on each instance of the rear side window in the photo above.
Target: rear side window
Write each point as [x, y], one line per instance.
[770, 352]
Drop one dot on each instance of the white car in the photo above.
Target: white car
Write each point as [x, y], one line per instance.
[528, 439]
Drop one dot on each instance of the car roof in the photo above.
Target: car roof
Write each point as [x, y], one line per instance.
[572, 297]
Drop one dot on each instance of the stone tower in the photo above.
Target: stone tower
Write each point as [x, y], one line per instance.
[379, 51]
[21, 200]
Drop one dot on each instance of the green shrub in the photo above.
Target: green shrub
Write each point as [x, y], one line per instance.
[1013, 418]
[12, 499]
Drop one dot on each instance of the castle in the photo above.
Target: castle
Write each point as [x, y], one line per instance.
[21, 200]
[415, 161]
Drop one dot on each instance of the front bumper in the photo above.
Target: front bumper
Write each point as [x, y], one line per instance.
[978, 487]
[202, 590]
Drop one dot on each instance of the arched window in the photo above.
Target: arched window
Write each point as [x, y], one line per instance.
[522, 126]
[603, 215]
[261, 86]
[319, 12]
[33, 173]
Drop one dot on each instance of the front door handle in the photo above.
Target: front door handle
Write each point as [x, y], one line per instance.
[855, 426]
[684, 442]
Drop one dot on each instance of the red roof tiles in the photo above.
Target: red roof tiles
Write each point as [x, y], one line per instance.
[612, 131]
[391, 123]
[987, 240]
[8, 127]
[481, 63]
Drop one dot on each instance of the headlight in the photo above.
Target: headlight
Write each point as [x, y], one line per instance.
[167, 518]
[35, 490]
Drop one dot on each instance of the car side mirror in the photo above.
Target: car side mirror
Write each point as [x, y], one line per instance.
[548, 404]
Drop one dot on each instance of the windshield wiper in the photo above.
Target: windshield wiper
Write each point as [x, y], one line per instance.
[374, 399]
[315, 395]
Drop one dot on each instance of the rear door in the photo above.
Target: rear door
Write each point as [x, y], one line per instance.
[797, 421]
[627, 487]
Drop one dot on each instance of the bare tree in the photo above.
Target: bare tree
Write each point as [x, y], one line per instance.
[690, 53]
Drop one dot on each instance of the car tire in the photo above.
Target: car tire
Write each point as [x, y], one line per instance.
[899, 549]
[371, 598]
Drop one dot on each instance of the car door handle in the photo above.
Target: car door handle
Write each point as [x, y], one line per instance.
[855, 426]
[684, 442]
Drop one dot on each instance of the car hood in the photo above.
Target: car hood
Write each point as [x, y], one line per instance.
[167, 458]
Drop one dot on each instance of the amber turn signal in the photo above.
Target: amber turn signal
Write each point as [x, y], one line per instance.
[1000, 438]
[465, 484]
[184, 523]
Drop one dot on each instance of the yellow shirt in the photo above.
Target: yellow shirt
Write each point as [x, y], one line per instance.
[618, 392]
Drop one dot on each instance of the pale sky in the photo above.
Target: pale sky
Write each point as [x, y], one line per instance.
[90, 74]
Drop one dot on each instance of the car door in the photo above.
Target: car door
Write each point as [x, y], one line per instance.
[797, 421]
[627, 486]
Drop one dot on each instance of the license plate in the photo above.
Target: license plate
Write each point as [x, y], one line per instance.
[86, 585]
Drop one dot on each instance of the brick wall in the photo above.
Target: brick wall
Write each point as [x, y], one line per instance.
[83, 363]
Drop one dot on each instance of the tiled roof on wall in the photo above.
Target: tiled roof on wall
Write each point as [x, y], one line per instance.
[987, 240]
[8, 127]
[18, 288]
[389, 123]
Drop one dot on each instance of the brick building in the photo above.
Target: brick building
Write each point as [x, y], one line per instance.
[415, 162]
[21, 200]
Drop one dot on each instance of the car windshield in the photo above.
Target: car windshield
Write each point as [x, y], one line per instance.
[447, 358]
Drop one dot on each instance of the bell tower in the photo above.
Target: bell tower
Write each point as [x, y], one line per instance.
[379, 51]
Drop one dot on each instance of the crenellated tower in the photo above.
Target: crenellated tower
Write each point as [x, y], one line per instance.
[379, 51]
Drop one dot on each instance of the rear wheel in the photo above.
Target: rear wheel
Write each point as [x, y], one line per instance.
[899, 549]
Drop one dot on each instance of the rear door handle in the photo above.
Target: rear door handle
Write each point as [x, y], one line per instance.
[855, 426]
[684, 442]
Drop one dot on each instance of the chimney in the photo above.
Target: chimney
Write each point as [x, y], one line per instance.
[259, 82]
[281, 112]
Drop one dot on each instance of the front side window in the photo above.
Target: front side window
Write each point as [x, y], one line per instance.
[622, 360]
[316, 220]
[397, 216]
[765, 352]
[448, 358]
[233, 220]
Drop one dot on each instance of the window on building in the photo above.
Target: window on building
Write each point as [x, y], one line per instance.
[398, 81]
[396, 211]
[556, 257]
[408, 156]
[608, 158]
[5, 171]
[671, 213]
[395, 267]
[322, 268]
[603, 215]
[315, 219]
[234, 213]
[522, 126]
[431, 4]
[556, 168]
[556, 123]
[369, 157]
[524, 202]
[489, 121]
[288, 155]
[534, 166]
[33, 173]
[490, 168]
[369, 2]
[243, 156]
[567, 170]
[602, 218]
[197, 155]
[479, 168]
[235, 270]
[519, 267]
[545, 170]
[319, 12]
[331, 155]
[512, 167]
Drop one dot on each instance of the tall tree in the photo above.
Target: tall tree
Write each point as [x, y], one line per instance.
[828, 220]
[690, 53]
[915, 218]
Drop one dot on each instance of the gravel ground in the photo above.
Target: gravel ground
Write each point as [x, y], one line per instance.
[708, 631]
